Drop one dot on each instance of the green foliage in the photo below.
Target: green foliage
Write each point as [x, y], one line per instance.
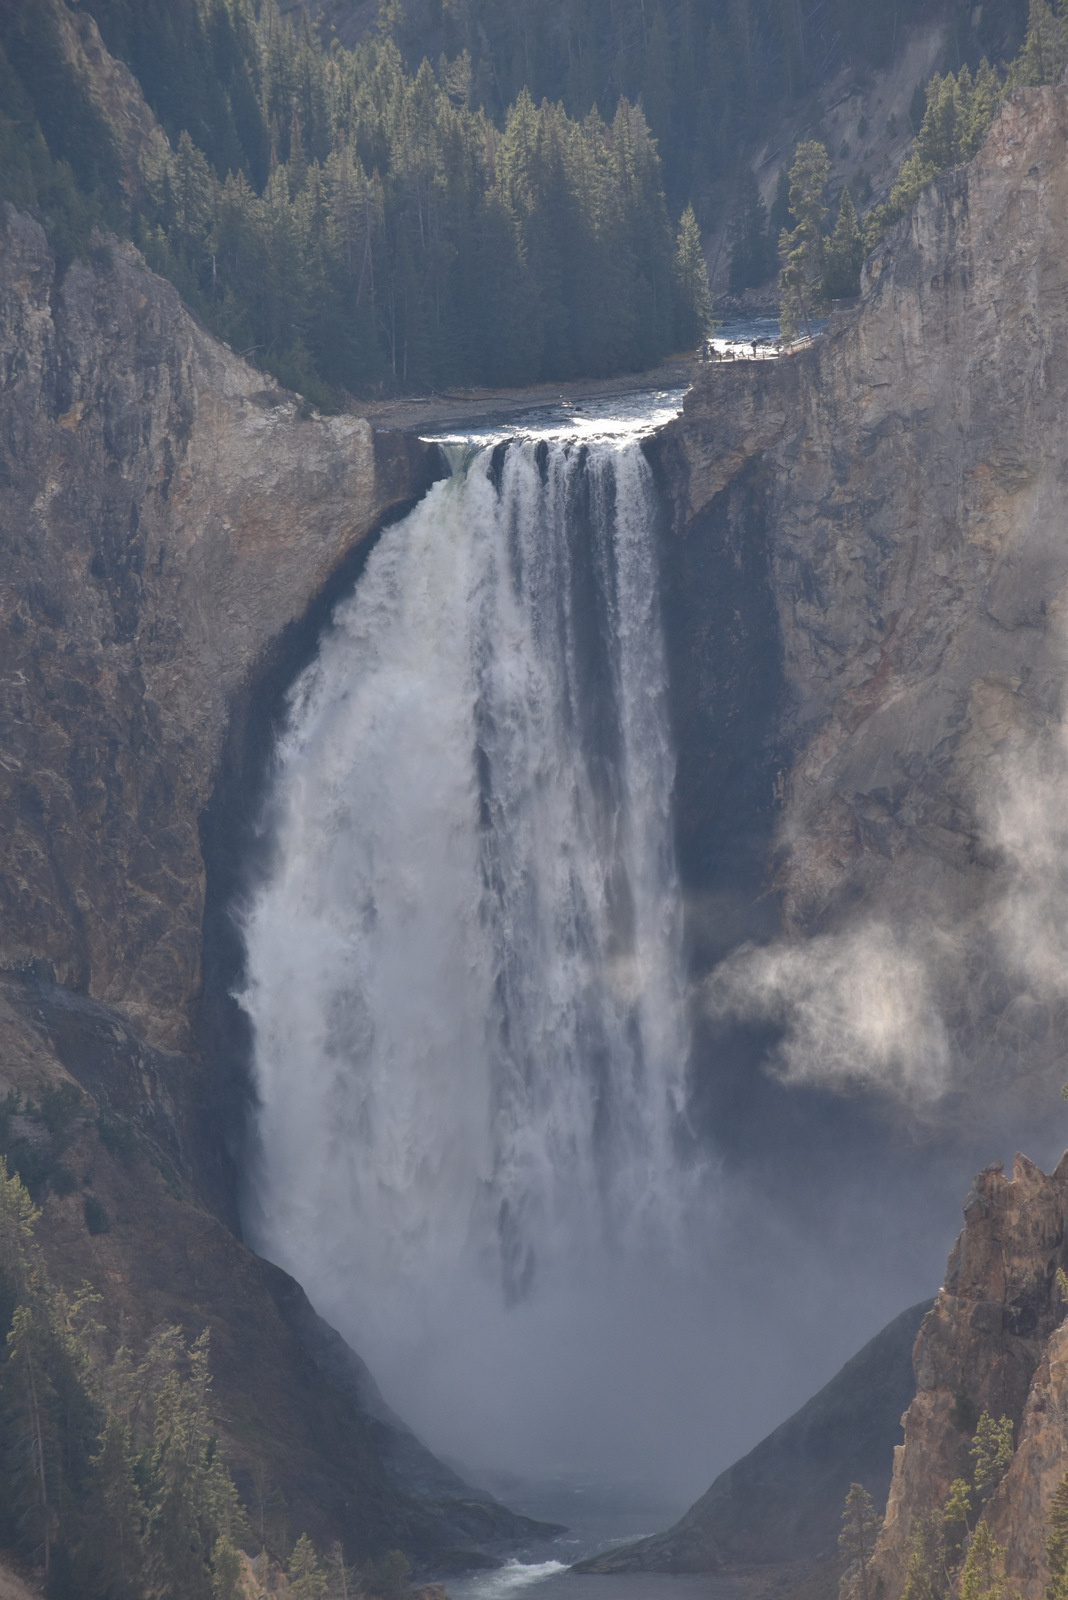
[801, 250]
[1044, 54]
[926, 1574]
[388, 1579]
[956, 1522]
[843, 253]
[944, 1553]
[34, 1137]
[959, 110]
[111, 1478]
[693, 299]
[307, 1579]
[991, 1451]
[983, 1575]
[1057, 1543]
[225, 1569]
[860, 1526]
[752, 251]
[356, 224]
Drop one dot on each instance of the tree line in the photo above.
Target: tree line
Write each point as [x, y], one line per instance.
[819, 263]
[353, 224]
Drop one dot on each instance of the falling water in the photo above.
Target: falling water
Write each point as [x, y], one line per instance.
[464, 967]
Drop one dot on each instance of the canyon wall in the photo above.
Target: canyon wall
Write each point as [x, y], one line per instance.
[888, 507]
[167, 513]
[867, 585]
[171, 520]
[995, 1341]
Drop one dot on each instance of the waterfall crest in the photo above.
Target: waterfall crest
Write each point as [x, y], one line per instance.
[464, 966]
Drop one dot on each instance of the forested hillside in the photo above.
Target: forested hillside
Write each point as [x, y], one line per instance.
[351, 223]
[710, 74]
[472, 193]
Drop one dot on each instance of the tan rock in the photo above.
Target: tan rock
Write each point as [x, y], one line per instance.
[993, 1341]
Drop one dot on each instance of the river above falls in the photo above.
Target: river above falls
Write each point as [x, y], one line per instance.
[598, 419]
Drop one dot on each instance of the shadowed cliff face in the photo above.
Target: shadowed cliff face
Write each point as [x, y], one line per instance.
[166, 515]
[912, 506]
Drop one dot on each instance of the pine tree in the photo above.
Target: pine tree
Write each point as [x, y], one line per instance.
[801, 250]
[751, 259]
[983, 1574]
[693, 298]
[860, 1525]
[110, 1559]
[33, 1432]
[1044, 53]
[307, 1580]
[225, 1569]
[843, 253]
[926, 1572]
[340, 1578]
[991, 1451]
[1057, 1543]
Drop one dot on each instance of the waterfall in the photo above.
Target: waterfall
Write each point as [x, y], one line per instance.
[464, 964]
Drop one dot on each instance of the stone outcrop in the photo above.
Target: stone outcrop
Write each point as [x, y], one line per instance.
[887, 508]
[167, 511]
[782, 1503]
[994, 1340]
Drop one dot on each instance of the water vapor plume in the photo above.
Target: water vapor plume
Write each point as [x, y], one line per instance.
[853, 1007]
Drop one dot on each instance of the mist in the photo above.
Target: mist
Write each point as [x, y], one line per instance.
[582, 1215]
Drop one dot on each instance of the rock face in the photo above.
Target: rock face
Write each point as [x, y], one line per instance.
[782, 1503]
[166, 514]
[994, 1340]
[887, 508]
[296, 1406]
[169, 518]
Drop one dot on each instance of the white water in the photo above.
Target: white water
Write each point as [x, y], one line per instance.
[465, 968]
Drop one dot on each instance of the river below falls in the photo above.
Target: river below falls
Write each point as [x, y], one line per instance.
[597, 1516]
[551, 1581]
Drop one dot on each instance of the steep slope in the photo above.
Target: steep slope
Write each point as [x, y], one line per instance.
[782, 1503]
[886, 507]
[168, 516]
[169, 519]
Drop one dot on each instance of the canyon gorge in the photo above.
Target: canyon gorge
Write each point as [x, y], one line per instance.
[858, 553]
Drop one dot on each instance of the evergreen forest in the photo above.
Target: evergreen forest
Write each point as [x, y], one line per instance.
[473, 193]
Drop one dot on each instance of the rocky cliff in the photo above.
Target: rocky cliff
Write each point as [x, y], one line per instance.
[882, 514]
[171, 519]
[167, 513]
[995, 1340]
[867, 583]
